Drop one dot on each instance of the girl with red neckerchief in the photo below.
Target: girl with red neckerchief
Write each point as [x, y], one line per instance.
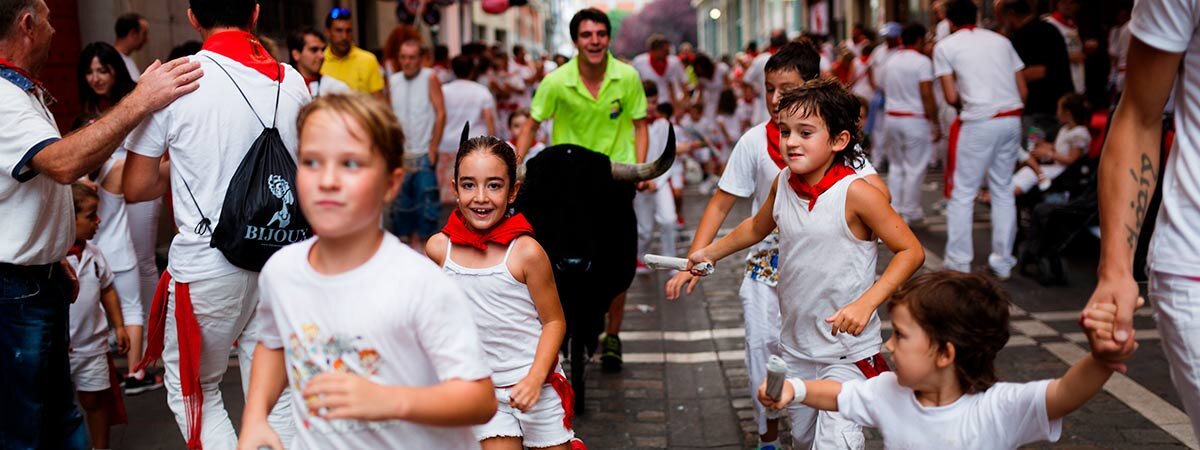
[828, 223]
[493, 257]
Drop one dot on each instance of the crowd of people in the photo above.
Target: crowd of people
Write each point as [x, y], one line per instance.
[307, 184]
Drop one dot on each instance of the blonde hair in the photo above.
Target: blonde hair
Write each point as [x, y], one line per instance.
[373, 116]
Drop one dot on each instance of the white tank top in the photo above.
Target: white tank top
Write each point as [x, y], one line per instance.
[113, 237]
[504, 314]
[822, 268]
[410, 101]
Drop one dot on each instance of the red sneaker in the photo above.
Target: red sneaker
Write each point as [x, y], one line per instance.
[577, 444]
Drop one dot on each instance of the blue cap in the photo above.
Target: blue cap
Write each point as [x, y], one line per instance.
[891, 30]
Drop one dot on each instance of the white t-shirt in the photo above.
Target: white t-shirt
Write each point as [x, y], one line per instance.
[942, 29]
[536, 148]
[89, 324]
[755, 77]
[656, 142]
[132, 67]
[732, 127]
[520, 74]
[208, 132]
[675, 76]
[876, 62]
[713, 88]
[905, 71]
[860, 80]
[1005, 416]
[1068, 138]
[1120, 49]
[39, 219]
[985, 65]
[1172, 26]
[328, 85]
[1070, 34]
[465, 101]
[406, 324]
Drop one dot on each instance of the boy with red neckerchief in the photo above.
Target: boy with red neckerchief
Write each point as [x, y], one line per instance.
[204, 303]
[829, 329]
[752, 167]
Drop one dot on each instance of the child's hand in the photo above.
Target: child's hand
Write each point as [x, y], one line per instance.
[258, 434]
[701, 256]
[786, 397]
[851, 319]
[675, 284]
[525, 394]
[122, 341]
[1099, 324]
[336, 395]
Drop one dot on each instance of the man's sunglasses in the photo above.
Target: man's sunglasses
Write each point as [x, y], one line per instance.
[339, 14]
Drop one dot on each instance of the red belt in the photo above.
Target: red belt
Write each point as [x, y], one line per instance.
[873, 366]
[952, 146]
[904, 114]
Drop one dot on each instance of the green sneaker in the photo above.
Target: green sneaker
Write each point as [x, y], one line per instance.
[610, 356]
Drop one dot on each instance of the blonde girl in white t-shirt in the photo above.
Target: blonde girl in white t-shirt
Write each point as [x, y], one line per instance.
[828, 224]
[1046, 162]
[366, 332]
[947, 329]
[492, 255]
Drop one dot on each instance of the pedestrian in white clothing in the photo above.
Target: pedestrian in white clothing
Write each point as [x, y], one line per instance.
[664, 69]
[912, 123]
[1164, 52]
[979, 71]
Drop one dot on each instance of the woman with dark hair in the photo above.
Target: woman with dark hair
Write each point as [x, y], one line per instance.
[103, 81]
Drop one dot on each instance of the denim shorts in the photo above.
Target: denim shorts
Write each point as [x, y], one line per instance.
[417, 208]
[35, 376]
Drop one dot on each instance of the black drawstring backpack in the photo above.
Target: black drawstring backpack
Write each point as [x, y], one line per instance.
[261, 213]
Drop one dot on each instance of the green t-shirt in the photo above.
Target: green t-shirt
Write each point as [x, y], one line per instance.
[603, 124]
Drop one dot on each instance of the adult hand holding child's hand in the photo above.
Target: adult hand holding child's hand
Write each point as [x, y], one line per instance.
[1098, 321]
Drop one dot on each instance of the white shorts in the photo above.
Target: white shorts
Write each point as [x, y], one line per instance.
[541, 427]
[90, 372]
[1025, 179]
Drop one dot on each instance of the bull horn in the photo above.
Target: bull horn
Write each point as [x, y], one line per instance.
[466, 133]
[649, 170]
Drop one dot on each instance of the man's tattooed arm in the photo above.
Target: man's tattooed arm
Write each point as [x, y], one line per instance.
[1146, 177]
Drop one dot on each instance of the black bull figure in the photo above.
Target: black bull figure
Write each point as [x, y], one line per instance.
[581, 207]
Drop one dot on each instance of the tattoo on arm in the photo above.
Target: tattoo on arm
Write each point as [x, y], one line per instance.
[1145, 177]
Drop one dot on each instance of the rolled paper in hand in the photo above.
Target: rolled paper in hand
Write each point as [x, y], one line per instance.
[776, 374]
[659, 262]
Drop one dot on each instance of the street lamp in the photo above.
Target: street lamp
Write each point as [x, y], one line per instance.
[714, 14]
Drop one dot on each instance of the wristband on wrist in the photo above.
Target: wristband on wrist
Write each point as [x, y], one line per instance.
[799, 388]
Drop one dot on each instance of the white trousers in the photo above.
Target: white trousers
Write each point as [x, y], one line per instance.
[823, 430]
[910, 147]
[879, 140]
[224, 308]
[143, 228]
[760, 309]
[985, 149]
[128, 287]
[1176, 302]
[652, 208]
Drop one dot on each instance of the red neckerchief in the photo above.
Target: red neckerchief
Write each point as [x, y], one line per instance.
[965, 27]
[772, 50]
[773, 144]
[76, 250]
[244, 48]
[1063, 19]
[308, 82]
[8, 64]
[659, 67]
[503, 233]
[835, 173]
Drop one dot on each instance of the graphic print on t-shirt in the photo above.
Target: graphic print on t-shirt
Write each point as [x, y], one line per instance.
[314, 353]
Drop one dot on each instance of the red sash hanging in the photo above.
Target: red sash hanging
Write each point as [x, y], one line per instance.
[189, 338]
[952, 147]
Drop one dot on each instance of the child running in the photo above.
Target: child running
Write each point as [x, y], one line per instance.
[91, 366]
[753, 165]
[828, 222]
[369, 334]
[947, 329]
[508, 280]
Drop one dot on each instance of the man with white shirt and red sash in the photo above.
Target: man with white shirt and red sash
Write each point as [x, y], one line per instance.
[204, 303]
[912, 124]
[980, 74]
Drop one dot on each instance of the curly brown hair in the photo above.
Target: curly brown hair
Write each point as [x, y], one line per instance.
[838, 108]
[968, 310]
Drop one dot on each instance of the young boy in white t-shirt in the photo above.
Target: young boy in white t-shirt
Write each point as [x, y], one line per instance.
[944, 393]
[656, 204]
[90, 363]
[376, 342]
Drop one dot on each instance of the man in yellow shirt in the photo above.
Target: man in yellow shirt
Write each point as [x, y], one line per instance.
[354, 66]
[596, 102]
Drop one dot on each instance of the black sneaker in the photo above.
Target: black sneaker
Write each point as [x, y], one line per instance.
[610, 356]
[135, 386]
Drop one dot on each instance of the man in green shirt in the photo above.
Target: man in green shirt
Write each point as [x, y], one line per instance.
[596, 102]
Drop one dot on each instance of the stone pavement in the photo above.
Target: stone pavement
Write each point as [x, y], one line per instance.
[684, 384]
